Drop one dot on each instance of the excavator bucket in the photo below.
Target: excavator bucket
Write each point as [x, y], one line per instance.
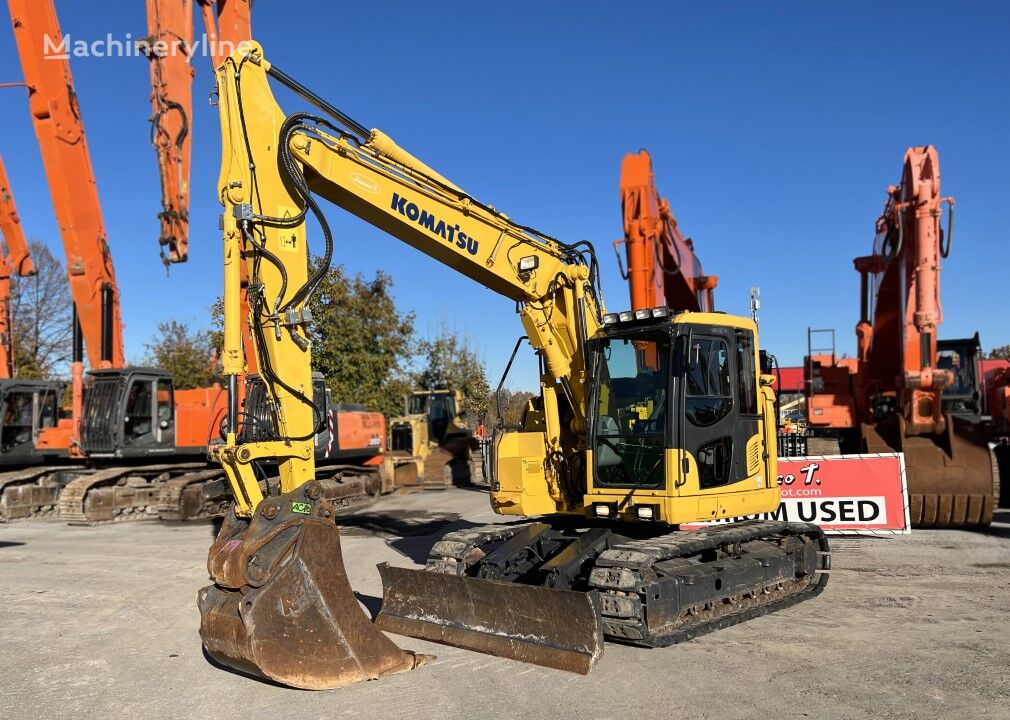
[952, 479]
[559, 629]
[282, 607]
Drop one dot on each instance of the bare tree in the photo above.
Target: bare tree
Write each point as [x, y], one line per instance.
[42, 310]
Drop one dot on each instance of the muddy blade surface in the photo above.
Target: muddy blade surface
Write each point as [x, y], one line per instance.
[554, 628]
[303, 626]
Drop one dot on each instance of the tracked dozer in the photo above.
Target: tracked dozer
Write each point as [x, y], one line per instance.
[644, 420]
[430, 445]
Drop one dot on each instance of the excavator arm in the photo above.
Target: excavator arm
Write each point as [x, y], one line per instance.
[662, 266]
[170, 36]
[57, 120]
[227, 24]
[901, 376]
[14, 260]
[363, 171]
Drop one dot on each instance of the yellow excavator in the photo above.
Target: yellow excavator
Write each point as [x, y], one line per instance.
[604, 483]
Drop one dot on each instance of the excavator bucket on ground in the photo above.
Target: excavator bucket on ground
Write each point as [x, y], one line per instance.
[560, 629]
[952, 479]
[282, 607]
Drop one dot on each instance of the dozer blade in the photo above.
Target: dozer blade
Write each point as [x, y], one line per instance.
[282, 607]
[555, 628]
[951, 478]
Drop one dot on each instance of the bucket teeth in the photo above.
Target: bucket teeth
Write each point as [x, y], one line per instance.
[282, 607]
[560, 629]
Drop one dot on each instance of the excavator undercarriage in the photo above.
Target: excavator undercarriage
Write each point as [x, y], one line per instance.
[500, 588]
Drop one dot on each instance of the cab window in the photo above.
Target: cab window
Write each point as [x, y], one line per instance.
[709, 396]
[166, 406]
[746, 373]
[631, 412]
[138, 410]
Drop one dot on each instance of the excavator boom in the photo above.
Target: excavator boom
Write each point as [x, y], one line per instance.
[169, 39]
[14, 260]
[662, 266]
[56, 117]
[892, 399]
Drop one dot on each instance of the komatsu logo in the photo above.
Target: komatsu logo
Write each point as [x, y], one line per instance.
[432, 224]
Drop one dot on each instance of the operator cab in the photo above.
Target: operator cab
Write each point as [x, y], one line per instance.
[652, 367]
[962, 397]
[27, 407]
[128, 413]
[439, 406]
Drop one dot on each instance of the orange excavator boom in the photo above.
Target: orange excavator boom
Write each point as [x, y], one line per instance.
[14, 260]
[167, 47]
[57, 120]
[898, 385]
[663, 269]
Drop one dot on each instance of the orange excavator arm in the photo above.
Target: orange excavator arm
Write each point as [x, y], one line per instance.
[227, 23]
[169, 40]
[900, 310]
[57, 120]
[14, 260]
[167, 46]
[663, 269]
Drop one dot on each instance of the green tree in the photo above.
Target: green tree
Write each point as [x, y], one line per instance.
[513, 407]
[186, 353]
[361, 342]
[1000, 353]
[448, 361]
[41, 309]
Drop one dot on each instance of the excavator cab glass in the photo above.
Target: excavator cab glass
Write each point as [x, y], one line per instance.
[705, 375]
[960, 357]
[26, 408]
[632, 381]
[128, 413]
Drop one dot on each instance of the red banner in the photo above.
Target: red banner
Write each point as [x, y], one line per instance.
[843, 494]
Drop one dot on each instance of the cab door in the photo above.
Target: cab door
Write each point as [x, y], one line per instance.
[717, 391]
[148, 416]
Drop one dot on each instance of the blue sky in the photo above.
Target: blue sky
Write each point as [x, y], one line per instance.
[774, 129]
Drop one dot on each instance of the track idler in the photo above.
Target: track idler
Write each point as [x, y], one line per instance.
[282, 607]
[560, 629]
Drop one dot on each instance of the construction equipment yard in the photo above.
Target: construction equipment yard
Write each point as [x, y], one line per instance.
[342, 419]
[912, 626]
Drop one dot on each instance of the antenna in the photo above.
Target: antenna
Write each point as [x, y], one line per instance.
[755, 303]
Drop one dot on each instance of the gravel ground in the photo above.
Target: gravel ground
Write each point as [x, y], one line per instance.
[102, 622]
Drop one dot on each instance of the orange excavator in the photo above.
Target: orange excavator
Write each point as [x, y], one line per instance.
[663, 269]
[908, 391]
[121, 416]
